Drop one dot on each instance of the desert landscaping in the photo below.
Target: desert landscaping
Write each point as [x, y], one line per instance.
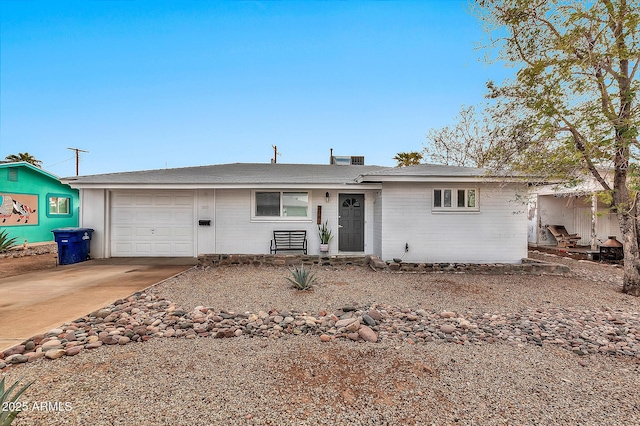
[238, 345]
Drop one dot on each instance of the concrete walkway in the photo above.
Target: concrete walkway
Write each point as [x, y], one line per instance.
[37, 302]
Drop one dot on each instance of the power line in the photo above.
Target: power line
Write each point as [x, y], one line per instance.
[48, 166]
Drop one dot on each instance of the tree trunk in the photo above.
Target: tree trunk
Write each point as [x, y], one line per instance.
[629, 229]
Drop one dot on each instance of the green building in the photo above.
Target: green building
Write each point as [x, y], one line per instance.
[33, 202]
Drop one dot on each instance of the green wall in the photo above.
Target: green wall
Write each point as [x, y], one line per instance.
[32, 181]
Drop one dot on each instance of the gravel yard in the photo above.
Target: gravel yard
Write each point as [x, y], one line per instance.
[415, 374]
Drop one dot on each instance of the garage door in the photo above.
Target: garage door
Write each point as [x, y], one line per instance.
[152, 223]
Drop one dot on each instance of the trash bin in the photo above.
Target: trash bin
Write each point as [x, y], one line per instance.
[74, 244]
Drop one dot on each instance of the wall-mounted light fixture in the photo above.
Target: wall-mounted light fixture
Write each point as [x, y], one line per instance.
[326, 196]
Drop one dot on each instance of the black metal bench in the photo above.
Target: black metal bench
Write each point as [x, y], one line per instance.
[289, 241]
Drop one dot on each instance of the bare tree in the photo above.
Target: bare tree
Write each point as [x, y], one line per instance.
[466, 143]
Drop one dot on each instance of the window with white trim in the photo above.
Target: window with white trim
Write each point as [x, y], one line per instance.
[281, 204]
[463, 199]
[59, 205]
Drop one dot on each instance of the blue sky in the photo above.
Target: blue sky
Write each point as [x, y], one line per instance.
[154, 84]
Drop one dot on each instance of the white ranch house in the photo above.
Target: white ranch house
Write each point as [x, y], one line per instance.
[441, 213]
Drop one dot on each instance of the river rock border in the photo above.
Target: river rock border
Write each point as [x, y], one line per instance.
[528, 266]
[145, 315]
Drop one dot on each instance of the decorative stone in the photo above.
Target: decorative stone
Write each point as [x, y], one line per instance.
[101, 313]
[368, 320]
[375, 315]
[73, 351]
[367, 334]
[16, 350]
[16, 359]
[34, 355]
[325, 338]
[345, 322]
[51, 344]
[54, 353]
[354, 326]
[447, 328]
[110, 340]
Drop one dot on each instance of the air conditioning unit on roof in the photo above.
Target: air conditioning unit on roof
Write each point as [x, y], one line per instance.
[346, 160]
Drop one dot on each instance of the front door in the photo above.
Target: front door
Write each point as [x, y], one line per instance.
[351, 222]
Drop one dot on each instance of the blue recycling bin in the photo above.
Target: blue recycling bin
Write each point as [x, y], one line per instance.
[74, 244]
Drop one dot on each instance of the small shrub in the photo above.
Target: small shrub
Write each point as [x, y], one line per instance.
[6, 242]
[9, 402]
[302, 279]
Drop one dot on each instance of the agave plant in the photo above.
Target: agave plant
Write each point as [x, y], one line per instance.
[302, 279]
[10, 407]
[5, 241]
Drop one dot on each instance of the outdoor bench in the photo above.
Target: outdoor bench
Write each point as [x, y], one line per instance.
[289, 241]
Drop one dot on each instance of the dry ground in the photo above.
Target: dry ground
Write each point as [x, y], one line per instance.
[11, 266]
[299, 380]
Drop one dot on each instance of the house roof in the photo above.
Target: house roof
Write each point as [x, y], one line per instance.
[6, 165]
[426, 170]
[234, 174]
[271, 175]
[434, 173]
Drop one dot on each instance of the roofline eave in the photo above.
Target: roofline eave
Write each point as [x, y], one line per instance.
[193, 186]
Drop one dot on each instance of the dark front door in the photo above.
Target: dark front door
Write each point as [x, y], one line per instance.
[351, 222]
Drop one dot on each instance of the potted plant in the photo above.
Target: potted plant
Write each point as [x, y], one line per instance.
[325, 236]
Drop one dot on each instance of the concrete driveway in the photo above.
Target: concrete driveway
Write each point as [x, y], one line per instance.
[37, 302]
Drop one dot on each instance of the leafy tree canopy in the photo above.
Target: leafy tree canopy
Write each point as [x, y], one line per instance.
[573, 106]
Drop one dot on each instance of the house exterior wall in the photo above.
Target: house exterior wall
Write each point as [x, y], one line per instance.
[232, 228]
[94, 215]
[377, 224]
[205, 211]
[399, 214]
[496, 233]
[36, 185]
[237, 232]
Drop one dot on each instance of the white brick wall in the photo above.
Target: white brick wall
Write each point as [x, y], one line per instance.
[401, 214]
[496, 233]
[237, 233]
[377, 223]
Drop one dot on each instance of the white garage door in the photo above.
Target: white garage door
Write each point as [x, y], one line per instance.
[152, 223]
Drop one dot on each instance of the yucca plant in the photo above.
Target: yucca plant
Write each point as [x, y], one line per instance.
[302, 279]
[5, 241]
[10, 407]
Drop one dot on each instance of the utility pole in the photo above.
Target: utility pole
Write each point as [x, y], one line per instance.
[275, 154]
[78, 151]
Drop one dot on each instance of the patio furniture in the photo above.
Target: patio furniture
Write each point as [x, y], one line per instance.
[289, 240]
[562, 236]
